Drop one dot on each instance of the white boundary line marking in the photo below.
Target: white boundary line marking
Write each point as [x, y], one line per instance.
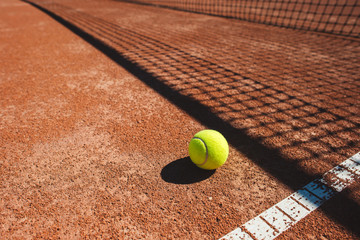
[280, 217]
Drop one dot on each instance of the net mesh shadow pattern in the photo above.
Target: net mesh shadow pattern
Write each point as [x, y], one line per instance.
[238, 77]
[341, 17]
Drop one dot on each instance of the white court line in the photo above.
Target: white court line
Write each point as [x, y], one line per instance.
[280, 217]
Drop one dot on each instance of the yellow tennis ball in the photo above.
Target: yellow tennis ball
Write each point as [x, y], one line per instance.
[208, 149]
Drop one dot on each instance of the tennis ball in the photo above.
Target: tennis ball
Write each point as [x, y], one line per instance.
[208, 149]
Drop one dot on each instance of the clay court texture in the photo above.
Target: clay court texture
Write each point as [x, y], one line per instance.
[99, 100]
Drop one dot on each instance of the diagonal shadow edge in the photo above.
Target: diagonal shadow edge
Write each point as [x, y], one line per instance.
[265, 157]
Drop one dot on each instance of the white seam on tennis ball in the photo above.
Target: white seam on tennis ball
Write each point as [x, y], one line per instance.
[206, 157]
[285, 214]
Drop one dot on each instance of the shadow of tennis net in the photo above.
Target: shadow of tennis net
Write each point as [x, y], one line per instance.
[288, 100]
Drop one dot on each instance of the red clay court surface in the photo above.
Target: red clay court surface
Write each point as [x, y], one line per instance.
[99, 100]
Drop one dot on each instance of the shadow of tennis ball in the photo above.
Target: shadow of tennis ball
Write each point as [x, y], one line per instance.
[184, 171]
